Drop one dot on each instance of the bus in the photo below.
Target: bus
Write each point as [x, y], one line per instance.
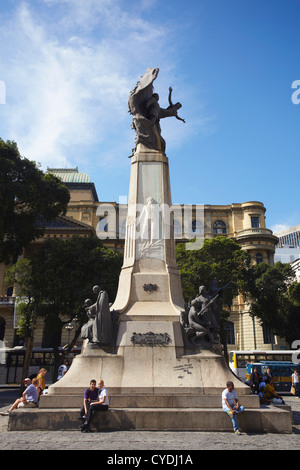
[239, 359]
[12, 360]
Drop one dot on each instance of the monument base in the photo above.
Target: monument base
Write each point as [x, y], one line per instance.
[154, 384]
[150, 359]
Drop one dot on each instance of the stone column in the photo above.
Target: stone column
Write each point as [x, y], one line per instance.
[149, 285]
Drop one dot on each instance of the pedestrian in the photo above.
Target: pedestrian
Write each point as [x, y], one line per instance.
[271, 393]
[255, 379]
[100, 405]
[90, 395]
[295, 383]
[62, 370]
[29, 398]
[41, 380]
[231, 405]
[263, 400]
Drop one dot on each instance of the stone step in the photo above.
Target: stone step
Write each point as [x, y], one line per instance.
[272, 420]
[147, 401]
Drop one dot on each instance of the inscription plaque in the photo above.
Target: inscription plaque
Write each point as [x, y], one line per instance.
[151, 339]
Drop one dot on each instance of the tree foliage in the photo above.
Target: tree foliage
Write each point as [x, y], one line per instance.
[57, 280]
[64, 272]
[275, 299]
[220, 258]
[271, 291]
[26, 194]
[61, 273]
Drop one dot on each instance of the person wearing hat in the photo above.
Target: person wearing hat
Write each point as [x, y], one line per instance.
[29, 398]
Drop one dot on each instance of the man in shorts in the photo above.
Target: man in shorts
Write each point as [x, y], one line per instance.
[29, 398]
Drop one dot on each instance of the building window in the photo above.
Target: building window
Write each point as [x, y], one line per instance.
[254, 222]
[229, 331]
[103, 225]
[2, 329]
[123, 227]
[177, 229]
[197, 226]
[9, 291]
[259, 258]
[268, 336]
[219, 227]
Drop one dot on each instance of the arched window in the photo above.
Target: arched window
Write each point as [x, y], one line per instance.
[219, 227]
[259, 258]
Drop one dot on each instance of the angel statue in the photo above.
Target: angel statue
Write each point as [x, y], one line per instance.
[146, 111]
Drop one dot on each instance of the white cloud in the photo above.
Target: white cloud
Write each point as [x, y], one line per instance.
[279, 228]
[69, 67]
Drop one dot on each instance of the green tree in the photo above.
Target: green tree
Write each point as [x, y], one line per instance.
[60, 278]
[219, 258]
[274, 299]
[28, 302]
[26, 194]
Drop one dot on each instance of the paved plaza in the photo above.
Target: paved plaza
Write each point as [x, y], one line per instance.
[144, 440]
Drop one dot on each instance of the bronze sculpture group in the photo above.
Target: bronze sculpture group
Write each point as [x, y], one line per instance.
[201, 320]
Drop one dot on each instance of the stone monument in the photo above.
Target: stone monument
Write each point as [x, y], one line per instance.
[151, 353]
[159, 362]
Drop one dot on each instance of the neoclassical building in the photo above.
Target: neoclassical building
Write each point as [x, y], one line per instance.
[244, 222]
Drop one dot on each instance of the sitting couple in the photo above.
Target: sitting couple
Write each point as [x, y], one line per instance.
[94, 399]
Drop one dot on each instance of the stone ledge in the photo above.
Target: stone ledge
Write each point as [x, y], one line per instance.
[147, 401]
[272, 420]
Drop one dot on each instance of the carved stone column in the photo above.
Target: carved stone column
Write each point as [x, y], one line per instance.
[149, 285]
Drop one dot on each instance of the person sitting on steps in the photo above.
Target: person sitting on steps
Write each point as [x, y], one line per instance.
[100, 405]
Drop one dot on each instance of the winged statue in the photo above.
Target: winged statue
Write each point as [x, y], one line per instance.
[143, 104]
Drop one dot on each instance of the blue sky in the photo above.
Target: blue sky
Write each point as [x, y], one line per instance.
[67, 67]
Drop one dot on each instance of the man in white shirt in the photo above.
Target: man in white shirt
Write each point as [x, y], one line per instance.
[62, 370]
[231, 405]
[295, 383]
[100, 405]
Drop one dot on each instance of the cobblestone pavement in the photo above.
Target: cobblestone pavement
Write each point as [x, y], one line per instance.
[144, 440]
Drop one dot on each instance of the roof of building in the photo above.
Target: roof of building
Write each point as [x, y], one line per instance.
[63, 222]
[74, 179]
[70, 175]
[287, 231]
